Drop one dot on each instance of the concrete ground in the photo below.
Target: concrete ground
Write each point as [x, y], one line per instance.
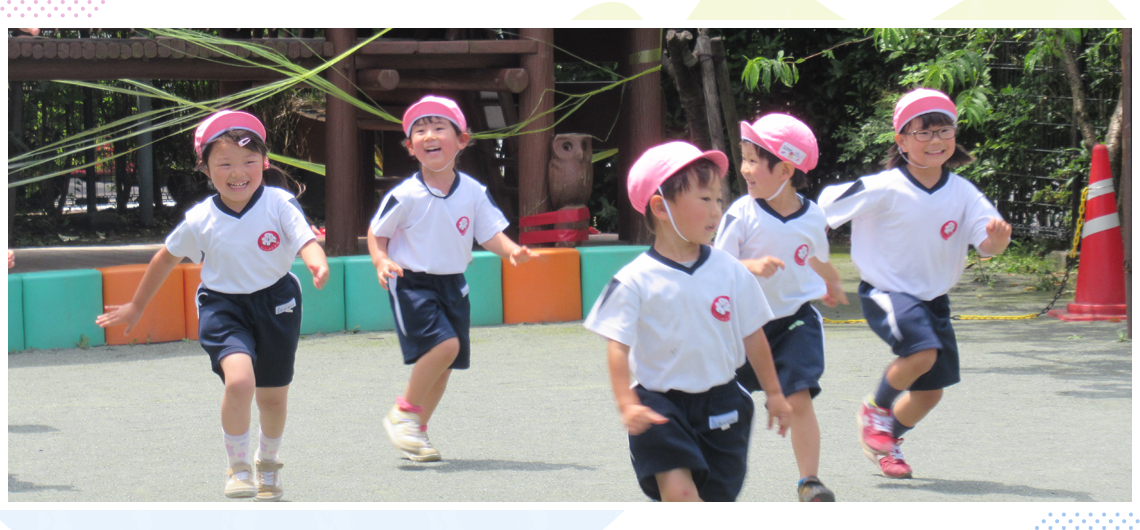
[1043, 413]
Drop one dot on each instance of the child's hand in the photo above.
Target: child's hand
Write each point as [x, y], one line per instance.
[521, 255]
[764, 267]
[835, 295]
[11, 258]
[998, 230]
[781, 411]
[388, 269]
[118, 314]
[639, 418]
[320, 275]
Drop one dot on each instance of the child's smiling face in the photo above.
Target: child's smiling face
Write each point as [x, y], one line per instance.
[762, 180]
[435, 143]
[235, 172]
[931, 153]
[696, 211]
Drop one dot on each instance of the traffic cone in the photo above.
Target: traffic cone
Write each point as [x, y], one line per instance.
[1100, 276]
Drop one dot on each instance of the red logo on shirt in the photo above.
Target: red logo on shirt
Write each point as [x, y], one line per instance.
[801, 255]
[722, 308]
[462, 225]
[948, 229]
[269, 241]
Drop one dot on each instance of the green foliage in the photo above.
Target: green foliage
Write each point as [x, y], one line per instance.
[762, 70]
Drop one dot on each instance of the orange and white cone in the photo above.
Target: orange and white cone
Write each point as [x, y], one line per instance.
[1100, 276]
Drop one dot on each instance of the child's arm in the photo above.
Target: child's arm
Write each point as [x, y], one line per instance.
[636, 417]
[385, 268]
[760, 356]
[764, 267]
[830, 275]
[314, 257]
[503, 247]
[156, 273]
[997, 237]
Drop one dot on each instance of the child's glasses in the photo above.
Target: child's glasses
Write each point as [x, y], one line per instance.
[944, 133]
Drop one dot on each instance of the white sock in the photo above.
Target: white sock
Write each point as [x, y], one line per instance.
[267, 450]
[237, 447]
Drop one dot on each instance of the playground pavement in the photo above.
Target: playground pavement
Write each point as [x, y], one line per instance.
[1043, 413]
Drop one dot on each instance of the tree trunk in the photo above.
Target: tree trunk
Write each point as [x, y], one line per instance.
[688, 86]
[1126, 155]
[1080, 111]
[712, 102]
[728, 105]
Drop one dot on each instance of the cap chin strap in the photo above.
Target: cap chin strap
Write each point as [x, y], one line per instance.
[902, 154]
[443, 166]
[777, 192]
[670, 214]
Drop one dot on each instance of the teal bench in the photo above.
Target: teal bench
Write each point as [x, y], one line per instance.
[599, 264]
[15, 312]
[60, 308]
[323, 310]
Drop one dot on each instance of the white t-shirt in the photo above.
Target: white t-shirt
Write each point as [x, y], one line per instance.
[685, 326]
[906, 238]
[752, 229]
[243, 252]
[431, 232]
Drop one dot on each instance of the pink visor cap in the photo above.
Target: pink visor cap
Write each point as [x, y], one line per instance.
[220, 122]
[661, 162]
[434, 106]
[784, 136]
[922, 101]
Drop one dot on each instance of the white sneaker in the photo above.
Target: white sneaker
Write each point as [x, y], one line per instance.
[269, 485]
[239, 481]
[404, 432]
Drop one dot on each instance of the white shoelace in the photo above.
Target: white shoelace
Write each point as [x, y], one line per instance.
[268, 477]
[896, 453]
[241, 475]
[881, 423]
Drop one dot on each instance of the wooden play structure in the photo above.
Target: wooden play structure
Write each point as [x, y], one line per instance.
[498, 78]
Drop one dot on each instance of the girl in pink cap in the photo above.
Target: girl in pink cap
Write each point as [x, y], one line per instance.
[782, 238]
[911, 227]
[420, 240]
[249, 305]
[680, 319]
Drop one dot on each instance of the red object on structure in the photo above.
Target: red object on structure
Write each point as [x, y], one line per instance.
[1100, 276]
[557, 235]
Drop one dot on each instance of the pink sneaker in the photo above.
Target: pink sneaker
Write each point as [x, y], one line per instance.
[893, 465]
[875, 429]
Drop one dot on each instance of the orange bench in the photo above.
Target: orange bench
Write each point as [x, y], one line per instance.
[545, 289]
[191, 278]
[164, 319]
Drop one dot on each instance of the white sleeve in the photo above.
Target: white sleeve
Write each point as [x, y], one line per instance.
[615, 313]
[489, 220]
[730, 233]
[390, 216]
[750, 304]
[979, 211]
[292, 218]
[822, 248]
[183, 242]
[844, 202]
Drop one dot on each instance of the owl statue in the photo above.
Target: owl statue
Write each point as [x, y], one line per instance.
[570, 174]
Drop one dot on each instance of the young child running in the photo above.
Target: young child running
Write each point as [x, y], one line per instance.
[249, 304]
[781, 237]
[911, 228]
[420, 242]
[681, 318]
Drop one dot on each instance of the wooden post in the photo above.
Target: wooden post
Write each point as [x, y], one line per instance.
[534, 148]
[677, 65]
[642, 123]
[1126, 175]
[728, 104]
[712, 102]
[343, 182]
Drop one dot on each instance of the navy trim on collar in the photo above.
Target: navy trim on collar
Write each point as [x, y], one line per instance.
[942, 180]
[772, 211]
[704, 256]
[454, 185]
[248, 206]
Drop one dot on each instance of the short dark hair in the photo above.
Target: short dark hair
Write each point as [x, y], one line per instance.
[960, 157]
[799, 178]
[433, 119]
[273, 176]
[702, 170]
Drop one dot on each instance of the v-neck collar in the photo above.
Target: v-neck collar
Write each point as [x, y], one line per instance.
[701, 259]
[772, 211]
[248, 206]
[942, 179]
[430, 190]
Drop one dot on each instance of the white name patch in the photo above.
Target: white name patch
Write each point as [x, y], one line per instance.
[723, 421]
[287, 307]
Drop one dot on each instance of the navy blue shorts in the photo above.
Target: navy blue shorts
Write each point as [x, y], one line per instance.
[910, 325]
[797, 350]
[707, 433]
[265, 324]
[429, 309]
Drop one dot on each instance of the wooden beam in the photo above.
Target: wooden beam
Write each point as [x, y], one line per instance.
[381, 79]
[157, 68]
[436, 61]
[377, 124]
[343, 182]
[534, 148]
[513, 80]
[642, 123]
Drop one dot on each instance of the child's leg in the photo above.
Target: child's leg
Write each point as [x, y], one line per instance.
[676, 485]
[272, 405]
[431, 401]
[911, 408]
[238, 370]
[805, 433]
[904, 371]
[428, 370]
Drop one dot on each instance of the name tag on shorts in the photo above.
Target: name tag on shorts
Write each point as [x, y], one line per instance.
[723, 421]
[287, 307]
